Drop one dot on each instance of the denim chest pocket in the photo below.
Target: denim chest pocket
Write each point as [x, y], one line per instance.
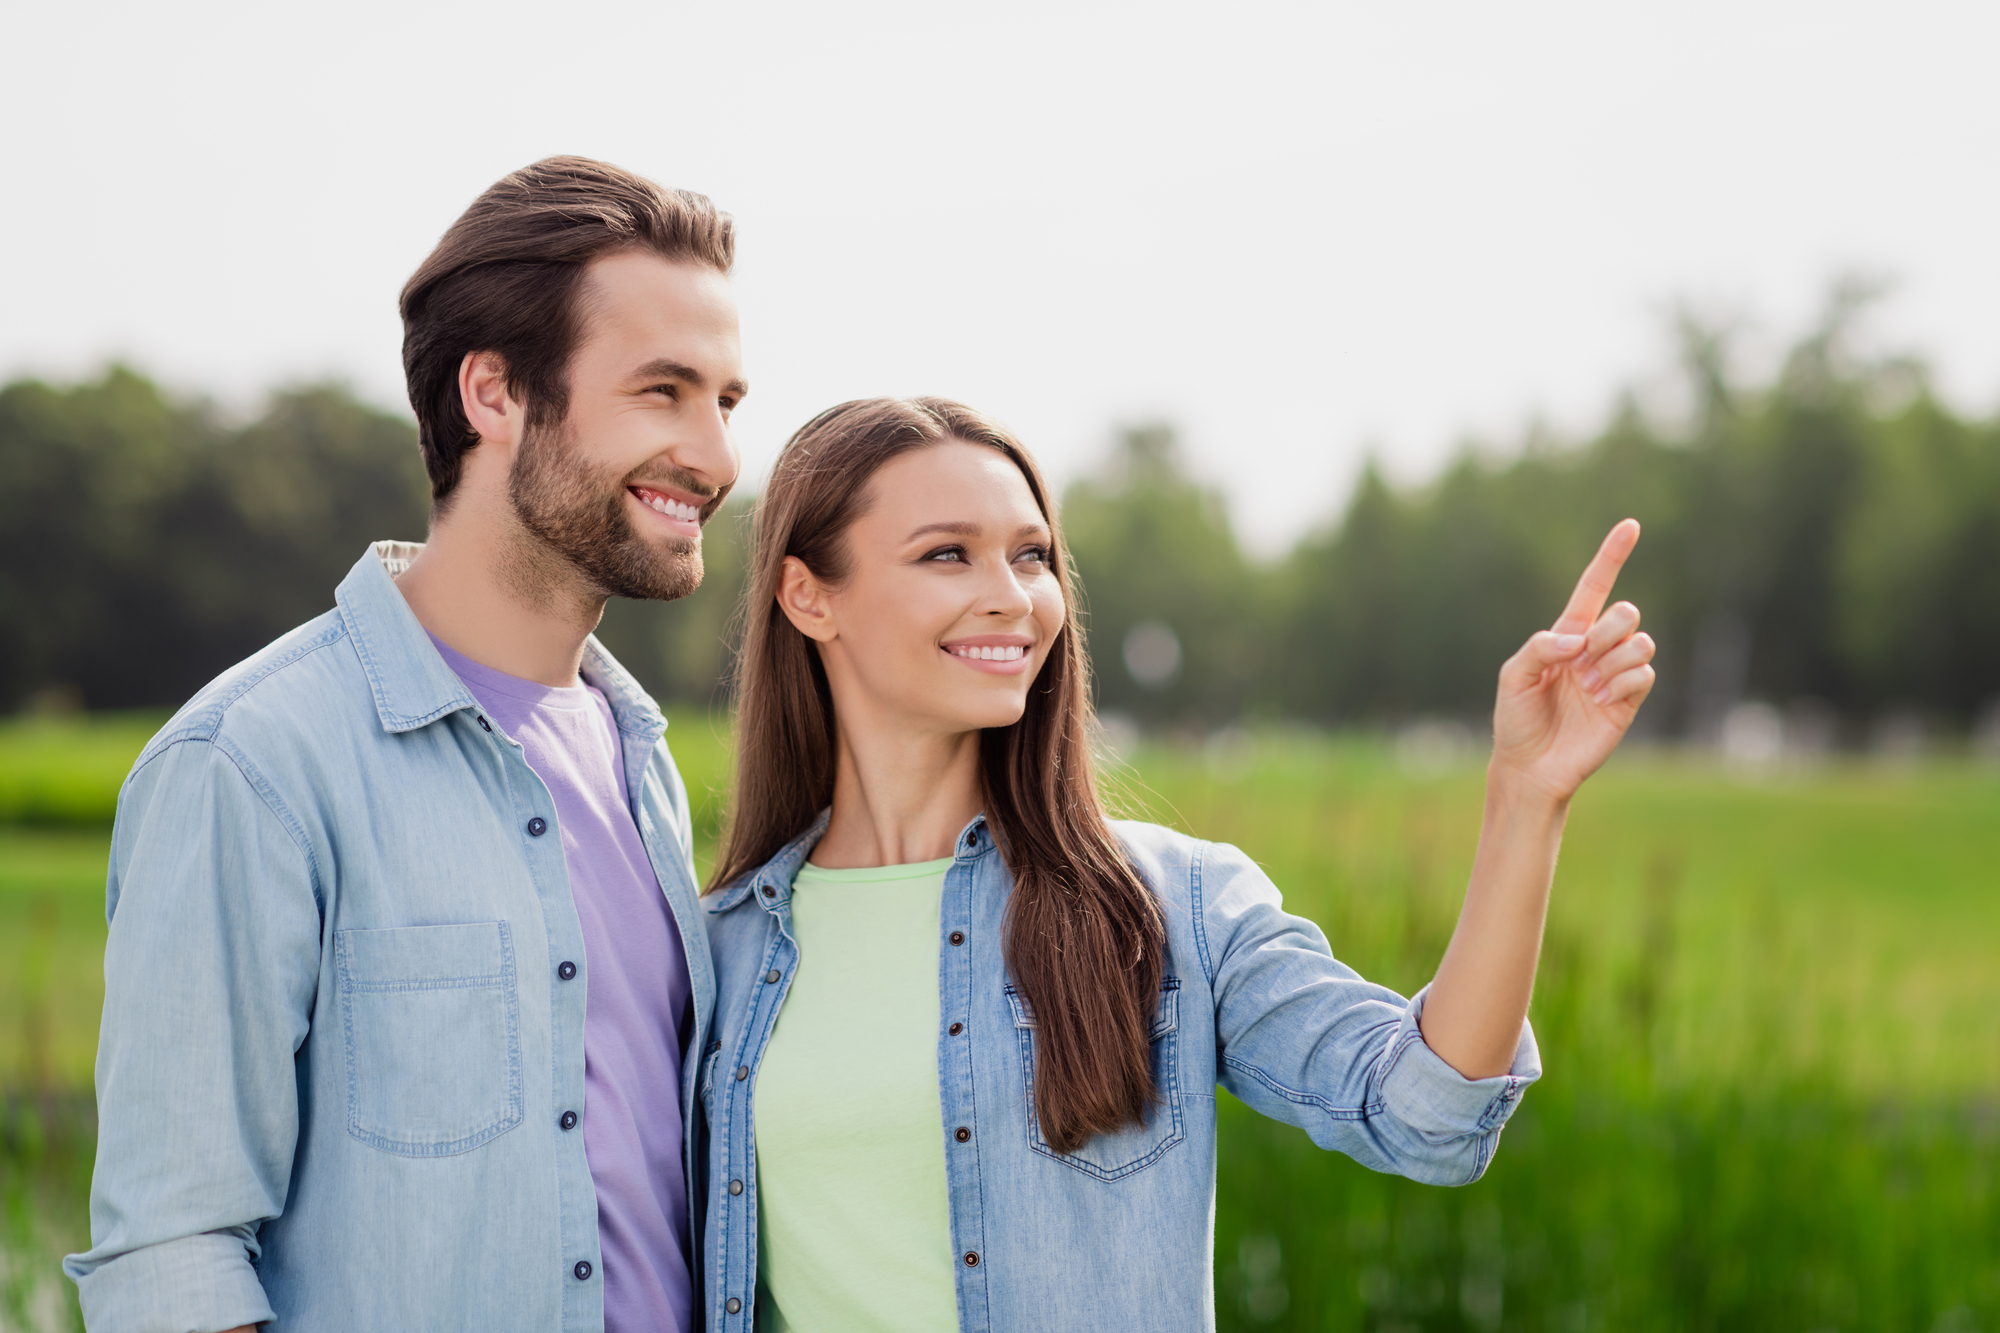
[431, 1016]
[1136, 1147]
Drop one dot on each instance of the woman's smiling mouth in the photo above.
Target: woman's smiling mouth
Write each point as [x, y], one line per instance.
[1001, 654]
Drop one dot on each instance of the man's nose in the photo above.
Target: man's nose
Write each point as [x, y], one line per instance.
[708, 449]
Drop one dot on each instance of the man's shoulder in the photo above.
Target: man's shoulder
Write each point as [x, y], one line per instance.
[297, 682]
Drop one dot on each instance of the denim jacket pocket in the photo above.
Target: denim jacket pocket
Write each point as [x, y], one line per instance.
[432, 1024]
[1136, 1147]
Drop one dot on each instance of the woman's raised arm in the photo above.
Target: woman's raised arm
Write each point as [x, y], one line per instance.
[1565, 700]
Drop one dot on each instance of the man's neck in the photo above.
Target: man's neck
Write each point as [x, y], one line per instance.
[496, 595]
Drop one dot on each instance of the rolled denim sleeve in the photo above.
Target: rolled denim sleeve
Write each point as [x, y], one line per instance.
[1304, 1039]
[210, 970]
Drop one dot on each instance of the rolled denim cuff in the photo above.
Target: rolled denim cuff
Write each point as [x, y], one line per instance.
[202, 1283]
[1431, 1097]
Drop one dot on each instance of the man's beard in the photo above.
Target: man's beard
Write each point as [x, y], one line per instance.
[578, 513]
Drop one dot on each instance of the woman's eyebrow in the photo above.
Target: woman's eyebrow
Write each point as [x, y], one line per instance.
[956, 529]
[963, 529]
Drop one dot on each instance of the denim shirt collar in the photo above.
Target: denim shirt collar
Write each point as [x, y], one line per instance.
[412, 685]
[772, 881]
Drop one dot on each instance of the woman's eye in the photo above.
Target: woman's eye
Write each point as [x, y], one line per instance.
[947, 554]
[1038, 554]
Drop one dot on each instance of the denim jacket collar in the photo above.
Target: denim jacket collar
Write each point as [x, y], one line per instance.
[772, 881]
[412, 685]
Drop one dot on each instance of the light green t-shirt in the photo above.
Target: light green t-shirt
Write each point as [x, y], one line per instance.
[853, 1218]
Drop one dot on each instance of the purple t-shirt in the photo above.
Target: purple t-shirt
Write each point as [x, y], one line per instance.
[637, 991]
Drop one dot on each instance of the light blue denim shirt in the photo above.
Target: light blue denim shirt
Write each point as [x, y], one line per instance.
[1120, 1234]
[344, 1000]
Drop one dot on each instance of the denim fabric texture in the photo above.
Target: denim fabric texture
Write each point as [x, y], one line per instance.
[1119, 1234]
[339, 1033]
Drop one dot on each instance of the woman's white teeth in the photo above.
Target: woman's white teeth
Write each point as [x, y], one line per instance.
[1013, 653]
[674, 508]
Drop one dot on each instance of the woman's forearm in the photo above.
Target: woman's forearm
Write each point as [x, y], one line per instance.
[1473, 1014]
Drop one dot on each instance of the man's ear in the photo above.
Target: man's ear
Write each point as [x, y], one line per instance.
[489, 408]
[802, 597]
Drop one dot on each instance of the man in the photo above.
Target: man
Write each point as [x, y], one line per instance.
[406, 979]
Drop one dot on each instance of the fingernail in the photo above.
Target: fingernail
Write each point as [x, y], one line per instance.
[1590, 680]
[1602, 696]
[1569, 643]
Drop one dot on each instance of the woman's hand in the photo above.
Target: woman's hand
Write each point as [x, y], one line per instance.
[1565, 700]
[1567, 697]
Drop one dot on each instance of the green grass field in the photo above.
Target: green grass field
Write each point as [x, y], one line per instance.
[1770, 1015]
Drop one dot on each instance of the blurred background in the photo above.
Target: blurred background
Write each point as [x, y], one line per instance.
[1346, 332]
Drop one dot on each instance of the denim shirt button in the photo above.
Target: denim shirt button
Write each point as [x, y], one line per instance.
[733, 1305]
[958, 937]
[742, 1072]
[962, 1134]
[566, 970]
[971, 1259]
[735, 1187]
[537, 827]
[568, 1120]
[769, 892]
[582, 1270]
[955, 1029]
[771, 977]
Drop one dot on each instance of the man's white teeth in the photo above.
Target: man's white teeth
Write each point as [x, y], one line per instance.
[1012, 653]
[674, 508]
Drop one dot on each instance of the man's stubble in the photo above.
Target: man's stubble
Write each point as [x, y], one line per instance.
[576, 515]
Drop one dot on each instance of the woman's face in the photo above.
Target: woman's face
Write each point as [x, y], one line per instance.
[950, 605]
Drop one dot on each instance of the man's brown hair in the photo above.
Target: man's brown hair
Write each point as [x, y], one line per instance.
[506, 279]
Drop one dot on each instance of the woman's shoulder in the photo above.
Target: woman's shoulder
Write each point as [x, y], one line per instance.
[1179, 865]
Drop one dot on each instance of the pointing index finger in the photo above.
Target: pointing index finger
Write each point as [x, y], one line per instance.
[1598, 577]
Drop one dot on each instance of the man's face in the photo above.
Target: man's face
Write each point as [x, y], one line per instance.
[621, 487]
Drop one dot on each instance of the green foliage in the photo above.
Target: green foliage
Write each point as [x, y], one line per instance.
[1831, 536]
[1152, 546]
[144, 546]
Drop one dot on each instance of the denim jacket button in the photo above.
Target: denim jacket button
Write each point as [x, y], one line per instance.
[769, 892]
[771, 977]
[733, 1305]
[742, 1072]
[735, 1187]
[566, 970]
[537, 827]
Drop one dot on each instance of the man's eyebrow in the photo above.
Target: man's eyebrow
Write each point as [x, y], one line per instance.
[666, 369]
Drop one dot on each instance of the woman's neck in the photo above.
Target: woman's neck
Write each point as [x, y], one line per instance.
[899, 798]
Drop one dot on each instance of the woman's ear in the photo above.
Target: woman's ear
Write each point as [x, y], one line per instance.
[802, 597]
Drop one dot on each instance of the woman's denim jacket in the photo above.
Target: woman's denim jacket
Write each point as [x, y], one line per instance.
[1118, 1235]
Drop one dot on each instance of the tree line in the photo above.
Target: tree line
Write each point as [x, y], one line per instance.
[1828, 539]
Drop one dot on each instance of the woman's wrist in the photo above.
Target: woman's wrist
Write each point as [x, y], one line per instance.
[1515, 793]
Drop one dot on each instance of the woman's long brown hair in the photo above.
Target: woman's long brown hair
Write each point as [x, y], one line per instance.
[1084, 935]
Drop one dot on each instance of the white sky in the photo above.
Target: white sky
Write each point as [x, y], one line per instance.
[1299, 231]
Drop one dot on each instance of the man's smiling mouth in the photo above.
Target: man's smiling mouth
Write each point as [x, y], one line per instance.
[666, 504]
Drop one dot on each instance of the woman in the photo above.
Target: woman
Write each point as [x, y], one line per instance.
[968, 1031]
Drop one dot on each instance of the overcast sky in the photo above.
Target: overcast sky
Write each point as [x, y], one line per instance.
[1301, 232]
